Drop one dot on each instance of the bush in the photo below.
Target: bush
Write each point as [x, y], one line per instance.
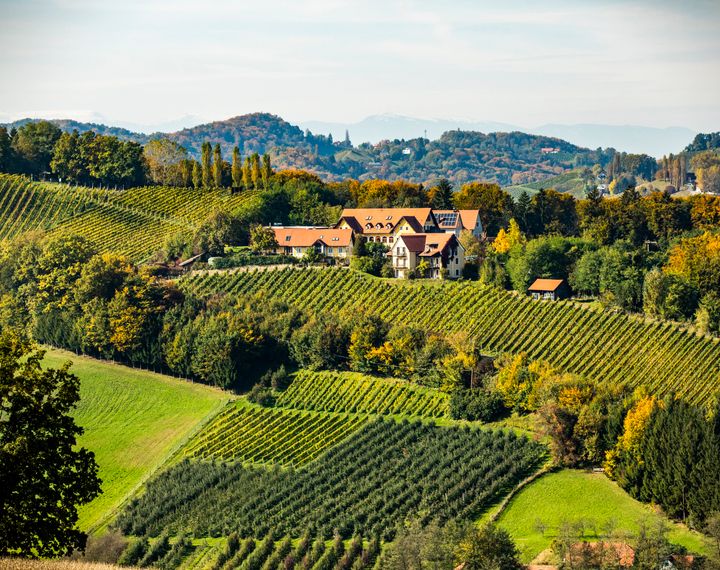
[262, 395]
[133, 553]
[476, 404]
[106, 548]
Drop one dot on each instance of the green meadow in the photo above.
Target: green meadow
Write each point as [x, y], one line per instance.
[570, 495]
[134, 420]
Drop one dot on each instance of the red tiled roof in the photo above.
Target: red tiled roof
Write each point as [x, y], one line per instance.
[305, 237]
[546, 284]
[427, 245]
[359, 218]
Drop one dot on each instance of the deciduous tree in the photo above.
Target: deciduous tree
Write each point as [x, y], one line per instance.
[44, 477]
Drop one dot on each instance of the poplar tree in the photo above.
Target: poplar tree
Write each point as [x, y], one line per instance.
[266, 171]
[256, 176]
[236, 168]
[217, 166]
[246, 173]
[206, 165]
[196, 174]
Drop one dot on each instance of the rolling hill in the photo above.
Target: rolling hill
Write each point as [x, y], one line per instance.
[133, 222]
[459, 155]
[602, 346]
[133, 420]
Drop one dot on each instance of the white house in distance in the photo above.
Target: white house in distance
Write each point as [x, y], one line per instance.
[456, 221]
[332, 243]
[440, 250]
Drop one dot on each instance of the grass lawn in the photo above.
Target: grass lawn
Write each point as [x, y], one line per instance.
[570, 495]
[133, 422]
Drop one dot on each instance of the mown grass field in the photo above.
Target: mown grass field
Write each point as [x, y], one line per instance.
[570, 495]
[134, 420]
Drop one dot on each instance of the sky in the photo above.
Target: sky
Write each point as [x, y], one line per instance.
[650, 62]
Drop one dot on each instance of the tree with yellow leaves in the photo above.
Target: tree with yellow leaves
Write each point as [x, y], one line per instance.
[631, 438]
[506, 240]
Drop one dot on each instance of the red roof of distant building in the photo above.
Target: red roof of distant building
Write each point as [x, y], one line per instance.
[305, 237]
[546, 284]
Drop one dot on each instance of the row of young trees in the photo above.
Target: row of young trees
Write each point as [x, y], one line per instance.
[42, 149]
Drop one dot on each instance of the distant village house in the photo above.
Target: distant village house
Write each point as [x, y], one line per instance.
[442, 252]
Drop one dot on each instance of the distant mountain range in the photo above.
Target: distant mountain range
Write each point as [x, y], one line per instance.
[459, 151]
[629, 138]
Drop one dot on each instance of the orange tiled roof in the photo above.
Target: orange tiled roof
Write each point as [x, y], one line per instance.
[387, 218]
[546, 284]
[305, 237]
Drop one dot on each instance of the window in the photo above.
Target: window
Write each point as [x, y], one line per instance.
[388, 226]
[368, 217]
[341, 250]
[368, 226]
[288, 238]
[457, 272]
[329, 250]
[379, 226]
[336, 239]
[389, 218]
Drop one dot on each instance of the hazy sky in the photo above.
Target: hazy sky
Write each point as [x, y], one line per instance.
[648, 62]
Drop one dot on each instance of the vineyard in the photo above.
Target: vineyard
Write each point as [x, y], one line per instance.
[269, 553]
[365, 485]
[132, 222]
[253, 434]
[355, 393]
[600, 345]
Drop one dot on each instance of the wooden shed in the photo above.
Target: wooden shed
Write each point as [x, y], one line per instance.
[549, 289]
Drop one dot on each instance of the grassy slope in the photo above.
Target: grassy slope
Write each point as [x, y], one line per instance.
[569, 495]
[133, 421]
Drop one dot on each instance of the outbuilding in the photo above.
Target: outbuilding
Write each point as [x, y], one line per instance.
[549, 289]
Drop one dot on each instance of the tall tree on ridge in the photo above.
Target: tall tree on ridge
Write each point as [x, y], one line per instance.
[196, 175]
[206, 161]
[236, 168]
[266, 171]
[256, 176]
[247, 173]
[217, 166]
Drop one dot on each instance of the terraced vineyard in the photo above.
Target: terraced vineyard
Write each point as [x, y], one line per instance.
[133, 222]
[604, 346]
[357, 393]
[265, 435]
[385, 472]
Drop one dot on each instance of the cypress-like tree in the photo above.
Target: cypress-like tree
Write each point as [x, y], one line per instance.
[266, 171]
[196, 174]
[205, 159]
[256, 176]
[236, 168]
[246, 173]
[217, 167]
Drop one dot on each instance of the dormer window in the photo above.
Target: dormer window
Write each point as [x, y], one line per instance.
[368, 217]
[379, 226]
[389, 226]
[389, 218]
[368, 226]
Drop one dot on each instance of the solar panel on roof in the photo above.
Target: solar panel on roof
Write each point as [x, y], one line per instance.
[447, 218]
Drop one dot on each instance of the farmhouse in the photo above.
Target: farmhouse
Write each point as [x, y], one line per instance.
[331, 243]
[384, 225]
[549, 289]
[442, 253]
[456, 221]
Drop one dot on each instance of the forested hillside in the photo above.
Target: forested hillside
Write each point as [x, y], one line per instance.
[460, 156]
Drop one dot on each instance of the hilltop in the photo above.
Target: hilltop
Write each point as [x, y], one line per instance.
[459, 155]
